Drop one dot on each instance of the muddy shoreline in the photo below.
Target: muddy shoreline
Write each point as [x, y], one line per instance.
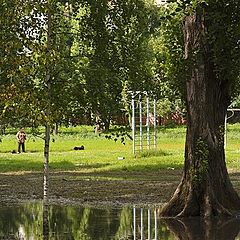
[95, 189]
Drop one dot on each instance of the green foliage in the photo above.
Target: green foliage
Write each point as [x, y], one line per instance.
[200, 166]
[169, 64]
[222, 39]
[220, 42]
[119, 134]
[80, 66]
[202, 154]
[187, 6]
[14, 61]
[116, 38]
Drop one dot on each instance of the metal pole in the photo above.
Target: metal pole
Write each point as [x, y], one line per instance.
[149, 225]
[225, 124]
[133, 123]
[134, 223]
[141, 224]
[155, 217]
[225, 132]
[140, 121]
[155, 123]
[148, 124]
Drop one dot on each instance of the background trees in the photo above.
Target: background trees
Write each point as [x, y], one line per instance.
[99, 51]
[116, 35]
[14, 61]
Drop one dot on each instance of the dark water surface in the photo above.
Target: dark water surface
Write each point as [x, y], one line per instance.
[73, 222]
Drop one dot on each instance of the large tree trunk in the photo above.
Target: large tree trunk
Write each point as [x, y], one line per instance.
[205, 189]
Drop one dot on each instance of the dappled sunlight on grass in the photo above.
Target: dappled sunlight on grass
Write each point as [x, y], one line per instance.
[101, 154]
[233, 146]
[233, 159]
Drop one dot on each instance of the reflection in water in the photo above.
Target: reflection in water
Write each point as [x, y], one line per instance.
[142, 227]
[198, 229]
[45, 188]
[45, 220]
[78, 223]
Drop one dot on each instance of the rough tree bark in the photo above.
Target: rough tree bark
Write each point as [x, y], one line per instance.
[205, 188]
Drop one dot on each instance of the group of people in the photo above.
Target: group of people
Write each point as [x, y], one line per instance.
[21, 137]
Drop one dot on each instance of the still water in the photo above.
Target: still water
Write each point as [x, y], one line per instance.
[35, 221]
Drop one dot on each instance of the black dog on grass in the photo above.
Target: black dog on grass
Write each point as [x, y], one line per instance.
[79, 148]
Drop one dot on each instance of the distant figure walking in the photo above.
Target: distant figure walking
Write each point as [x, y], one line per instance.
[21, 137]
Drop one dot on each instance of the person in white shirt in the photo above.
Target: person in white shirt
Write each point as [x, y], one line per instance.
[21, 137]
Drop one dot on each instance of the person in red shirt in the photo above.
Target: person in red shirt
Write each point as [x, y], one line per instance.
[21, 137]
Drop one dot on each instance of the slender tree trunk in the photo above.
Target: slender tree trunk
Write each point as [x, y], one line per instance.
[107, 122]
[55, 129]
[205, 189]
[47, 132]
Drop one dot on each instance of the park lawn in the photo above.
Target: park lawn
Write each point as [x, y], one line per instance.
[233, 147]
[101, 154]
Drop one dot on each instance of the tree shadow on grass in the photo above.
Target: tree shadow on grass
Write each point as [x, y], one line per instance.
[199, 229]
[15, 164]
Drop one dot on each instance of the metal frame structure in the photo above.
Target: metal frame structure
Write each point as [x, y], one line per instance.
[226, 118]
[138, 102]
[142, 228]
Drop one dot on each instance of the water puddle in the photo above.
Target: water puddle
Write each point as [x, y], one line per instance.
[34, 221]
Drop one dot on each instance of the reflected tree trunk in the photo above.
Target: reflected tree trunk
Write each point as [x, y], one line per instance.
[45, 184]
[45, 215]
[46, 163]
[198, 228]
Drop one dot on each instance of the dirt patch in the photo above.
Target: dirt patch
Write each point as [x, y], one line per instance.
[107, 188]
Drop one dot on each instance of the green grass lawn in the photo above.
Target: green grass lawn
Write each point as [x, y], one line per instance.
[101, 154]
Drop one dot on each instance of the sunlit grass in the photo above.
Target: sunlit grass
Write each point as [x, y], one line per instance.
[100, 154]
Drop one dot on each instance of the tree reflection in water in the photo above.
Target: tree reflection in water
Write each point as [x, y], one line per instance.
[199, 229]
[45, 221]
[46, 194]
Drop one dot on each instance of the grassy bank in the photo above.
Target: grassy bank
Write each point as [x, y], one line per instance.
[101, 154]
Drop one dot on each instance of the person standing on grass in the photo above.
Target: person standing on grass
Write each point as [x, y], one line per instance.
[21, 137]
